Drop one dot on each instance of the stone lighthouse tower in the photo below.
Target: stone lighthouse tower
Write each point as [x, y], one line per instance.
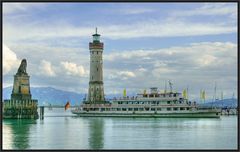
[96, 89]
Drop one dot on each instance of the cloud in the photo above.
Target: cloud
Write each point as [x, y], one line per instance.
[47, 69]
[134, 10]
[123, 75]
[10, 8]
[73, 69]
[127, 74]
[147, 28]
[197, 65]
[10, 60]
[208, 9]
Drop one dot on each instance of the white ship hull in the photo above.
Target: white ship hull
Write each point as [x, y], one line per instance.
[186, 114]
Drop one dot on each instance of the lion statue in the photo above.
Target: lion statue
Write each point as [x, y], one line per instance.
[22, 67]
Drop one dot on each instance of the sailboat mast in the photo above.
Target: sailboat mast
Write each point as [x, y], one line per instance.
[165, 89]
[215, 91]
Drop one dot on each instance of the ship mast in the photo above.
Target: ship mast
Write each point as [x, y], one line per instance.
[165, 90]
[215, 91]
[170, 85]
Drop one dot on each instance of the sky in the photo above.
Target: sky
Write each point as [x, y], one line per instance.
[193, 45]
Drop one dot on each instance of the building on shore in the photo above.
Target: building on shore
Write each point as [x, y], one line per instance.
[21, 104]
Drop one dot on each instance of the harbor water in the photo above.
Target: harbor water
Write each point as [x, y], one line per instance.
[61, 130]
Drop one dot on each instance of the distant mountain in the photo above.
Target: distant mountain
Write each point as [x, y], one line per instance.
[47, 95]
[232, 102]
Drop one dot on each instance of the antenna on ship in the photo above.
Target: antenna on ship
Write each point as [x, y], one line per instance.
[165, 90]
[233, 96]
[170, 85]
[215, 91]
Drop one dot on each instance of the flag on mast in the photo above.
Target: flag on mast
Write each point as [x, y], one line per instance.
[124, 93]
[185, 94]
[203, 95]
[145, 92]
[67, 105]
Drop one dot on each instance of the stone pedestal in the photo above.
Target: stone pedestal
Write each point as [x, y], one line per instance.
[21, 88]
[21, 104]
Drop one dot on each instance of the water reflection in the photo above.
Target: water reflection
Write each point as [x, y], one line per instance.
[96, 133]
[19, 129]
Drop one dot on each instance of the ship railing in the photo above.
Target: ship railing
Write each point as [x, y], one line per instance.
[142, 98]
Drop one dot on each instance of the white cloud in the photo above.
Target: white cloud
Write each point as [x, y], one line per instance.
[10, 60]
[142, 69]
[123, 75]
[162, 70]
[206, 60]
[147, 28]
[127, 73]
[9, 8]
[73, 69]
[208, 9]
[134, 10]
[46, 68]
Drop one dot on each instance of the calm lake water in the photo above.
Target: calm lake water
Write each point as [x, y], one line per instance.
[119, 133]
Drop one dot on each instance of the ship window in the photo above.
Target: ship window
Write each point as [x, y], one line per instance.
[97, 69]
[158, 109]
[130, 109]
[168, 102]
[135, 109]
[118, 109]
[157, 102]
[152, 109]
[168, 109]
[175, 109]
[124, 109]
[187, 108]
[182, 108]
[175, 94]
[140, 109]
[97, 52]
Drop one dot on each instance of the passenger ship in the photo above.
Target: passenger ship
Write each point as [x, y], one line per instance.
[153, 104]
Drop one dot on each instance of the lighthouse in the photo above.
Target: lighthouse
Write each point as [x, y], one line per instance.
[96, 89]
